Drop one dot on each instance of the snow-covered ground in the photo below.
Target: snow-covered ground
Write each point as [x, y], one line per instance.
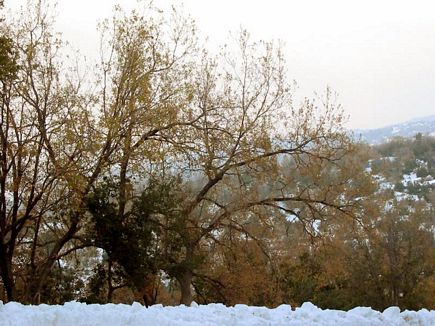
[80, 314]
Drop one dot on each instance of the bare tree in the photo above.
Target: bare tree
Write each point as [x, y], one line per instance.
[254, 152]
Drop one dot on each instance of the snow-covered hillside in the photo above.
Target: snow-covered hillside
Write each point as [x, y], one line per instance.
[78, 314]
[425, 125]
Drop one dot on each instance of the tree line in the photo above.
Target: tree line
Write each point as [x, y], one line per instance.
[165, 172]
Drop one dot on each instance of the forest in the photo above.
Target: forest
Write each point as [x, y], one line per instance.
[167, 173]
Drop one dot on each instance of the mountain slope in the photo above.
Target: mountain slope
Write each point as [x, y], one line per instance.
[424, 125]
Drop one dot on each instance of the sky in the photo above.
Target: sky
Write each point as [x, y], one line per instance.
[379, 56]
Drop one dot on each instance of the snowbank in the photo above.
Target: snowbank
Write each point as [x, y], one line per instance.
[80, 314]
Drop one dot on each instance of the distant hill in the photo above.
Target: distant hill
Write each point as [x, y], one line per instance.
[405, 168]
[425, 125]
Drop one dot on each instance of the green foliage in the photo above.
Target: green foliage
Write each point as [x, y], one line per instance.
[391, 148]
[149, 236]
[409, 166]
[300, 280]
[398, 186]
[126, 237]
[159, 203]
[97, 285]
[422, 172]
[304, 280]
[8, 59]
[417, 189]
[61, 286]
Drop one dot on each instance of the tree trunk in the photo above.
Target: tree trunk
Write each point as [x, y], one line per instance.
[185, 281]
[110, 288]
[6, 274]
[40, 274]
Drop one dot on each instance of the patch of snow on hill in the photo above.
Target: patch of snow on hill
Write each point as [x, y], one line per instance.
[386, 185]
[412, 178]
[403, 196]
[429, 182]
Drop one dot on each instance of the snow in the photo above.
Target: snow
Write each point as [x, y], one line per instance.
[412, 178]
[404, 196]
[421, 163]
[81, 314]
[429, 183]
[386, 185]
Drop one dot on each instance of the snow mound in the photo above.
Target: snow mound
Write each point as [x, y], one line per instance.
[81, 314]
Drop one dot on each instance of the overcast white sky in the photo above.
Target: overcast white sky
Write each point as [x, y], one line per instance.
[378, 55]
